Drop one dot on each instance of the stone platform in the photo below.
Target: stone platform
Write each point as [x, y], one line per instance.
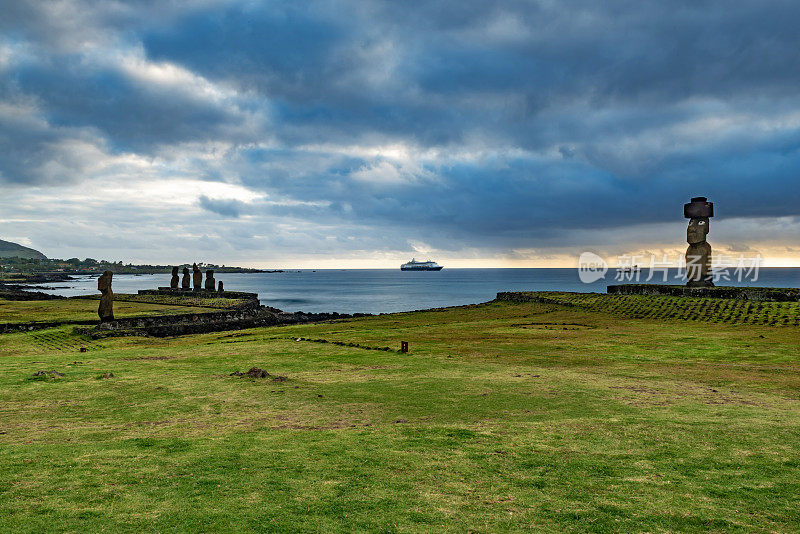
[766, 294]
[200, 323]
[200, 293]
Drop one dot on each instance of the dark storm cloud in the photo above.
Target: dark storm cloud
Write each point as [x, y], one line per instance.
[282, 47]
[652, 51]
[131, 114]
[225, 207]
[520, 120]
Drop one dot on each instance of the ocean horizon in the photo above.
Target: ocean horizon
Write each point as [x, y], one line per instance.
[391, 290]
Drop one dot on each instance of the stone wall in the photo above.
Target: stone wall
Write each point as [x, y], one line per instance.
[7, 328]
[180, 324]
[198, 323]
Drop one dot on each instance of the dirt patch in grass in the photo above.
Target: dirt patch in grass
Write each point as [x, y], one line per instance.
[353, 374]
[554, 326]
[754, 377]
[133, 358]
[348, 418]
[45, 375]
[344, 344]
[333, 426]
[370, 368]
[641, 395]
[256, 372]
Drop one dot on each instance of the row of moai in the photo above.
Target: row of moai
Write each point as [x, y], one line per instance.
[196, 279]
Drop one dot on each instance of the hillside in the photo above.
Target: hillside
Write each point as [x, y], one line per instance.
[10, 250]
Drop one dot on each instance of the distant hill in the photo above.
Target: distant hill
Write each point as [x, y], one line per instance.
[9, 250]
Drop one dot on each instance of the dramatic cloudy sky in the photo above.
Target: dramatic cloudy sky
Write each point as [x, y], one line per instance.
[360, 133]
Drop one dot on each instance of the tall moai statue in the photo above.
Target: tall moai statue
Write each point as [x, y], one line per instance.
[197, 277]
[186, 281]
[106, 308]
[173, 283]
[210, 282]
[220, 288]
[698, 255]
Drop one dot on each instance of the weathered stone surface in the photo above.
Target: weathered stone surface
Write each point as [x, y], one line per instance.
[697, 230]
[698, 265]
[173, 283]
[210, 282]
[220, 287]
[197, 277]
[190, 293]
[185, 282]
[106, 308]
[698, 255]
[196, 323]
[698, 207]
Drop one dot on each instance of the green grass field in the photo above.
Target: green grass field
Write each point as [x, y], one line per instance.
[503, 417]
[26, 311]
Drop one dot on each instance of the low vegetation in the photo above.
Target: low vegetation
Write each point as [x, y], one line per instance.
[705, 310]
[502, 417]
[13, 263]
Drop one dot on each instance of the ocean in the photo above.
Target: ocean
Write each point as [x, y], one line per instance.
[392, 290]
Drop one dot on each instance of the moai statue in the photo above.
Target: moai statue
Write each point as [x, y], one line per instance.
[186, 281]
[106, 308]
[210, 282]
[197, 277]
[698, 255]
[173, 283]
[219, 288]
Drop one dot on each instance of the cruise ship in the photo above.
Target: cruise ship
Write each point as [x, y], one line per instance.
[415, 265]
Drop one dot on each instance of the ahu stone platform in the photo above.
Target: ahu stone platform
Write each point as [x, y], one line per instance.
[200, 293]
[200, 323]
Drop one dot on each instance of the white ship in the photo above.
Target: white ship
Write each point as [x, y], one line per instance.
[415, 265]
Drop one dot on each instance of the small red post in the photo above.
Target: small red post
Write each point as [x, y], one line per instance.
[404, 346]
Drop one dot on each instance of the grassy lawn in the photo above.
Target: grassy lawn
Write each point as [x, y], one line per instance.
[503, 417]
[25, 311]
